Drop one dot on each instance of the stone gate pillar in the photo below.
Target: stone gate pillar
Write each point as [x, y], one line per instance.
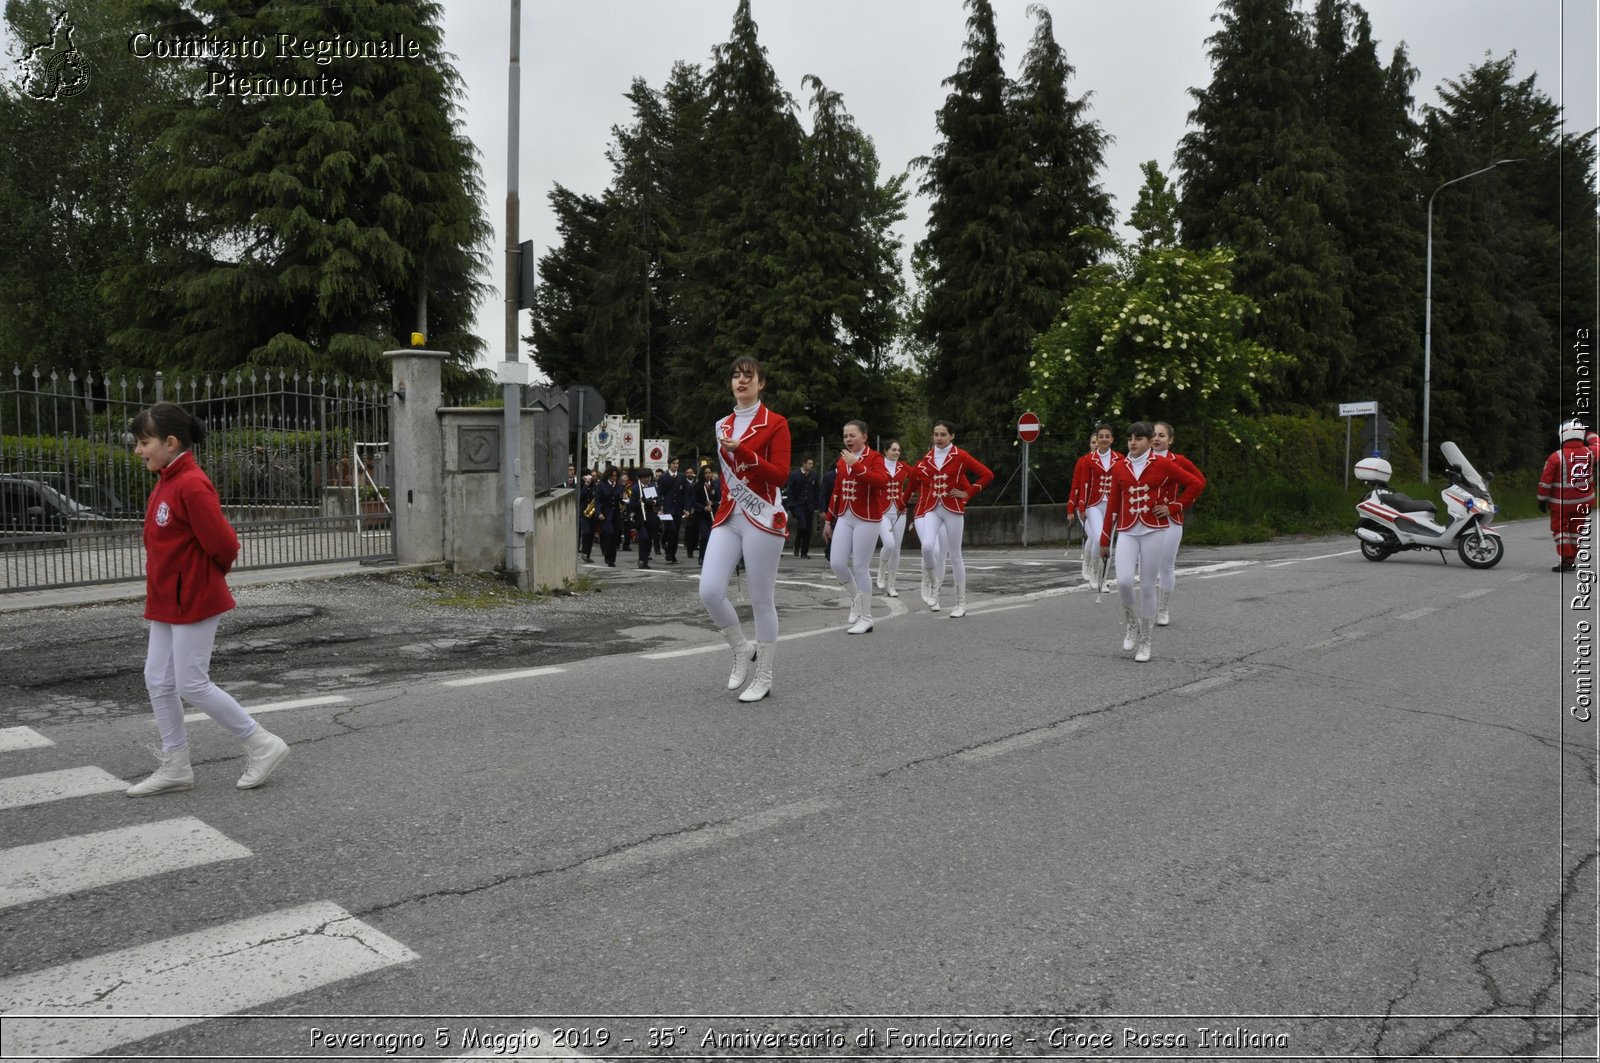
[416, 449]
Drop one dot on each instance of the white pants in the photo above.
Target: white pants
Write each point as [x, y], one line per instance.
[1171, 536]
[940, 532]
[1141, 547]
[851, 556]
[891, 531]
[1094, 518]
[734, 538]
[177, 668]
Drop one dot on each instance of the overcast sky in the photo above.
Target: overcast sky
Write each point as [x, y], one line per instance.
[888, 58]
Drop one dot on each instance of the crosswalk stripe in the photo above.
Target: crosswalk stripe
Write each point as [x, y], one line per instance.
[93, 1005]
[86, 861]
[500, 677]
[278, 706]
[57, 785]
[13, 738]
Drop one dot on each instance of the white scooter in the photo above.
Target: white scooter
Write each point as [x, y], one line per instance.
[1389, 522]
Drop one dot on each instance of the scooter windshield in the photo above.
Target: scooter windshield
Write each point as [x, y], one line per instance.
[1453, 455]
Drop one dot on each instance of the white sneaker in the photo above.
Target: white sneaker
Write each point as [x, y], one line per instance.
[173, 775]
[263, 752]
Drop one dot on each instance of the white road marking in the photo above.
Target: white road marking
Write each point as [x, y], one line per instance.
[1417, 614]
[1200, 686]
[1518, 578]
[1348, 636]
[1319, 557]
[14, 738]
[57, 786]
[93, 1005]
[278, 706]
[689, 841]
[1026, 740]
[1477, 593]
[31, 873]
[722, 647]
[501, 677]
[1000, 609]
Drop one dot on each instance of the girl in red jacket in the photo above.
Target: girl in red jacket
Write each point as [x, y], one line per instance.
[750, 524]
[1140, 516]
[1091, 486]
[855, 517]
[946, 479]
[189, 547]
[893, 525]
[1161, 447]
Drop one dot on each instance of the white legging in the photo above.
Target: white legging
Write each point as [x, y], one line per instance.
[940, 532]
[1134, 549]
[734, 538]
[177, 668]
[891, 531]
[1171, 537]
[853, 563]
[1094, 518]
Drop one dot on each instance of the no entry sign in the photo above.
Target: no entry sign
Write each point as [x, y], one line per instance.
[1028, 427]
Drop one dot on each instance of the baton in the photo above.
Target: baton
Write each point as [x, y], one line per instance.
[1105, 566]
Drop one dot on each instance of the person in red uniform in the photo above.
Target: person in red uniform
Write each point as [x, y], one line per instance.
[1161, 447]
[1139, 515]
[855, 517]
[893, 528]
[946, 479]
[1566, 492]
[189, 548]
[750, 524]
[1091, 486]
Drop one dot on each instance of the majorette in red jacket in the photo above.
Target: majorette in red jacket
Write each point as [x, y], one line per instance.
[1171, 493]
[898, 491]
[189, 547]
[934, 483]
[761, 460]
[1091, 484]
[860, 488]
[1133, 500]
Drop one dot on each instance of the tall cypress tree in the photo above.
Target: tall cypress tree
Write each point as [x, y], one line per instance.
[1260, 180]
[1065, 153]
[318, 225]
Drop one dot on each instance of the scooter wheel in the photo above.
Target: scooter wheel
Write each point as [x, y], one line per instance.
[1480, 553]
[1374, 551]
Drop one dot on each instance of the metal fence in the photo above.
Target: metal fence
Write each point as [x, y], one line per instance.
[300, 462]
[1051, 465]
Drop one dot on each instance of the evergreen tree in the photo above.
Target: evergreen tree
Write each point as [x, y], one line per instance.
[1260, 180]
[318, 226]
[974, 261]
[1505, 295]
[1065, 153]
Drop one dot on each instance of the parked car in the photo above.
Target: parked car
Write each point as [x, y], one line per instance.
[94, 495]
[32, 507]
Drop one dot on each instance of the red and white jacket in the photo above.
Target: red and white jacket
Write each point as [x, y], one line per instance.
[189, 547]
[861, 488]
[934, 484]
[761, 461]
[1134, 498]
[1091, 482]
[1568, 476]
[1171, 494]
[897, 493]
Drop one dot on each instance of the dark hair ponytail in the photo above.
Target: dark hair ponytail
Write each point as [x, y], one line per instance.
[168, 419]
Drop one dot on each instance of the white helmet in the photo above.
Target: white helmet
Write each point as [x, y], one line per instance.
[1573, 429]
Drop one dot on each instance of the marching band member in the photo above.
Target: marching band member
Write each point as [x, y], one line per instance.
[855, 514]
[1138, 486]
[1091, 486]
[753, 451]
[1161, 447]
[946, 479]
[893, 526]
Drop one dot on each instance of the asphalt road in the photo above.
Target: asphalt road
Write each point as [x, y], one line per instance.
[1343, 812]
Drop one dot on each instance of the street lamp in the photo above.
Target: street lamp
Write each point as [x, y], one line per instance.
[1427, 317]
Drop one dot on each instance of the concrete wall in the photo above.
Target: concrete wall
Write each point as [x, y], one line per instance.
[1002, 525]
[553, 546]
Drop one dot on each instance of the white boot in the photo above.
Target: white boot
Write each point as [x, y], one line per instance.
[854, 601]
[934, 587]
[863, 614]
[174, 774]
[961, 602]
[926, 590]
[1163, 618]
[263, 751]
[879, 579]
[744, 651]
[1130, 629]
[1146, 626]
[894, 574]
[1087, 568]
[761, 685]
